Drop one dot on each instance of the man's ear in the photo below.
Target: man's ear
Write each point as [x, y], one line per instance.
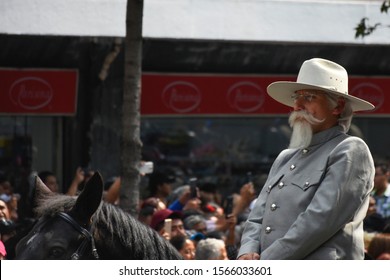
[340, 106]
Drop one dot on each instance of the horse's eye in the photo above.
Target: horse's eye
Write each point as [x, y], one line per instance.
[56, 252]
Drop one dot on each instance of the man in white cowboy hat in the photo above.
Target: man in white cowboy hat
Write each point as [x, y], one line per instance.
[316, 196]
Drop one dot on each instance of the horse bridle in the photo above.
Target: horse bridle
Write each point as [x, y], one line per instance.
[88, 237]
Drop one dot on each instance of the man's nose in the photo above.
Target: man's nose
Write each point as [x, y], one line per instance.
[299, 104]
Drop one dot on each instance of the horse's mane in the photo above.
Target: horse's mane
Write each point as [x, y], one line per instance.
[117, 234]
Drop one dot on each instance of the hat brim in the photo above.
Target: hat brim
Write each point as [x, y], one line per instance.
[281, 92]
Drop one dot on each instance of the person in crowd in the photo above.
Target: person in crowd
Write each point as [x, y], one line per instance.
[50, 180]
[154, 202]
[158, 220]
[82, 175]
[209, 194]
[241, 208]
[195, 223]
[181, 200]
[112, 188]
[9, 197]
[228, 236]
[7, 226]
[111, 193]
[379, 248]
[3, 252]
[6, 189]
[4, 211]
[381, 191]
[243, 201]
[8, 229]
[145, 214]
[184, 246]
[230, 240]
[316, 195]
[196, 237]
[211, 249]
[12, 226]
[160, 184]
[373, 222]
[148, 208]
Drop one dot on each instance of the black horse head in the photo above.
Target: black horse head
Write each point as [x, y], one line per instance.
[84, 227]
[63, 230]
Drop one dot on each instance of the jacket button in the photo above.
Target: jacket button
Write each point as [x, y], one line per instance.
[304, 151]
[273, 207]
[268, 229]
[292, 167]
[281, 184]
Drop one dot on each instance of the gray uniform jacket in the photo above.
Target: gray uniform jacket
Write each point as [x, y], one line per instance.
[314, 201]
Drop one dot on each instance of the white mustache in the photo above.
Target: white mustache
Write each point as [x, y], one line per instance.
[297, 115]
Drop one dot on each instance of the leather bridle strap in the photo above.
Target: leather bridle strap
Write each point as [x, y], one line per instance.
[88, 237]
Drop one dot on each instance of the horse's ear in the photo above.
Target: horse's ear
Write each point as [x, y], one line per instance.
[89, 199]
[40, 188]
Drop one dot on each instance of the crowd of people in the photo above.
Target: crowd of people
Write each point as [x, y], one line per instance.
[197, 225]
[377, 220]
[322, 194]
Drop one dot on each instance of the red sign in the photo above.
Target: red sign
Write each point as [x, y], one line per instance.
[176, 94]
[38, 91]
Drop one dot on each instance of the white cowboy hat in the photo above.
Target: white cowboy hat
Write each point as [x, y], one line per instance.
[318, 74]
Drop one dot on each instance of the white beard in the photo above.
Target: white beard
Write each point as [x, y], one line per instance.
[301, 123]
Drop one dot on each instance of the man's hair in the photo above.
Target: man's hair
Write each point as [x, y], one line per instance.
[191, 221]
[209, 249]
[379, 244]
[178, 241]
[160, 177]
[382, 165]
[345, 118]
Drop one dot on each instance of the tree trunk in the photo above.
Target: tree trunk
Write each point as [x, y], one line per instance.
[130, 141]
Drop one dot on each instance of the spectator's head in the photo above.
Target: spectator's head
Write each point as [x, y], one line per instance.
[371, 206]
[145, 215]
[382, 176]
[4, 211]
[196, 223]
[154, 202]
[384, 256]
[148, 207]
[184, 245]
[208, 192]
[379, 245]
[5, 186]
[7, 226]
[160, 183]
[196, 237]
[211, 249]
[159, 217]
